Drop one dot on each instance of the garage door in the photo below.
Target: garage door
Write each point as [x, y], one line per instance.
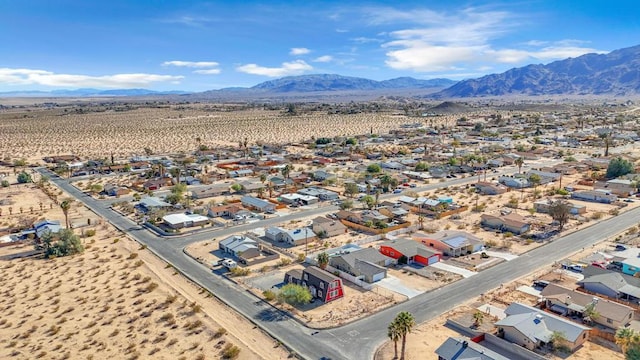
[433, 260]
[378, 277]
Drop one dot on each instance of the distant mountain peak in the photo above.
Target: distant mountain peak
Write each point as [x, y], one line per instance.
[333, 82]
[615, 73]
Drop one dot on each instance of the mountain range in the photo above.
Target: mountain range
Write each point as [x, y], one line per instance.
[616, 73]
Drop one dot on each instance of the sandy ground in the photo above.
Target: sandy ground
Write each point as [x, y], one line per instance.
[43, 132]
[116, 300]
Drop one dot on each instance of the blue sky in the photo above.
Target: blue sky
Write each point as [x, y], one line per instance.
[202, 45]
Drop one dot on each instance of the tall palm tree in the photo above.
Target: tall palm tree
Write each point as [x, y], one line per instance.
[393, 332]
[519, 161]
[606, 137]
[405, 322]
[66, 206]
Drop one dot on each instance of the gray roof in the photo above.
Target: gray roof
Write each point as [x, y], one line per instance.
[255, 202]
[580, 301]
[407, 247]
[367, 268]
[538, 325]
[465, 349]
[321, 274]
[153, 201]
[367, 254]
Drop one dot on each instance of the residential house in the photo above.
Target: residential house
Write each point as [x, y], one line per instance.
[513, 223]
[324, 227]
[571, 303]
[487, 188]
[181, 220]
[292, 237]
[115, 190]
[320, 193]
[534, 328]
[240, 173]
[298, 199]
[611, 284]
[321, 175]
[594, 196]
[368, 263]
[465, 349]
[46, 227]
[542, 206]
[258, 204]
[153, 203]
[322, 284]
[211, 191]
[631, 266]
[619, 187]
[413, 251]
[238, 245]
[452, 242]
[545, 177]
[156, 184]
[516, 182]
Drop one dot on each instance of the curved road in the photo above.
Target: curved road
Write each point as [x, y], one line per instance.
[357, 340]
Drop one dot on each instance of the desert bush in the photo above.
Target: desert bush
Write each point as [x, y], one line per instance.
[269, 295]
[230, 351]
[220, 333]
[238, 271]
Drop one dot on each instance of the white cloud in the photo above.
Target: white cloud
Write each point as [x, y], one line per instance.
[48, 78]
[513, 56]
[324, 59]
[207, 71]
[288, 68]
[191, 64]
[452, 41]
[423, 57]
[299, 51]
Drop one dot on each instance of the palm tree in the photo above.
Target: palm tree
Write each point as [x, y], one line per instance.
[420, 221]
[385, 181]
[323, 260]
[66, 206]
[175, 172]
[393, 332]
[606, 137]
[405, 322]
[260, 192]
[519, 161]
[286, 170]
[624, 338]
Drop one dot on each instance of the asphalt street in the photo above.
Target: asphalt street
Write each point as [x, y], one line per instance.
[357, 340]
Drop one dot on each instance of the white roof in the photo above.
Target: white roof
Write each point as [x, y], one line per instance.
[183, 218]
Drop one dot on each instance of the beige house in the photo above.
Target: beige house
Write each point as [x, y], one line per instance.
[325, 227]
[567, 302]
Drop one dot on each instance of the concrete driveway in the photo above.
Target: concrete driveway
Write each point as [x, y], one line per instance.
[499, 254]
[394, 284]
[454, 269]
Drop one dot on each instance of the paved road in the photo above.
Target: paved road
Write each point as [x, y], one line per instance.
[359, 339]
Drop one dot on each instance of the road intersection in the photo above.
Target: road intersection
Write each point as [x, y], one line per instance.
[359, 339]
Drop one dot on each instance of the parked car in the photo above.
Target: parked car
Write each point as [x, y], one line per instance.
[620, 247]
[229, 264]
[540, 284]
[397, 191]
